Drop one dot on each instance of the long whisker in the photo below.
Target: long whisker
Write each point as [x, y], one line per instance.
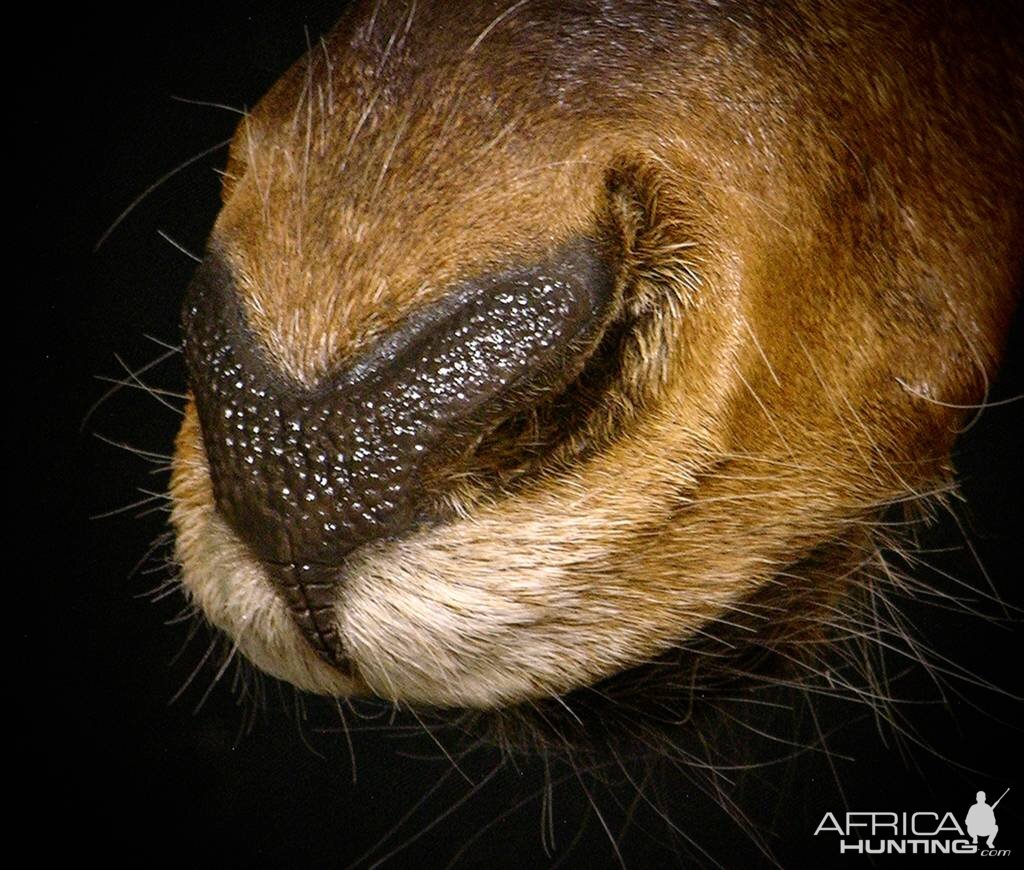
[163, 179]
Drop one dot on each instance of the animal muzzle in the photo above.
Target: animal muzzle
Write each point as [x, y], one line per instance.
[304, 475]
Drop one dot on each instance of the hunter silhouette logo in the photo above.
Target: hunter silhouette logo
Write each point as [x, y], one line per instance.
[918, 833]
[981, 819]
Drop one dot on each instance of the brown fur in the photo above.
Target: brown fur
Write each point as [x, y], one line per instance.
[814, 212]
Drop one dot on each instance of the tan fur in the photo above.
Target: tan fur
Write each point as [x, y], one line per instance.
[816, 215]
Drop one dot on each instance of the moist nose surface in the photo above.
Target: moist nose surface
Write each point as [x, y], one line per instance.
[305, 476]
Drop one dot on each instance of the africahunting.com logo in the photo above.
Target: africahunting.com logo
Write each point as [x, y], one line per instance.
[918, 833]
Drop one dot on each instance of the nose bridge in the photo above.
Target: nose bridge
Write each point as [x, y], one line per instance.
[305, 476]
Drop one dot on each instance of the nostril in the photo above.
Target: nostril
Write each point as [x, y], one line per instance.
[305, 475]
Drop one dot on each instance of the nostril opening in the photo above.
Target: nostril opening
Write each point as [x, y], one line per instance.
[305, 476]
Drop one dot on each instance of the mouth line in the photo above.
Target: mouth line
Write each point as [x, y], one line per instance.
[309, 593]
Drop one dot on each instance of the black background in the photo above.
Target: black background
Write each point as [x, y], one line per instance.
[125, 774]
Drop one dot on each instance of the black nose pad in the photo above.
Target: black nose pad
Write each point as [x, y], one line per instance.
[304, 475]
